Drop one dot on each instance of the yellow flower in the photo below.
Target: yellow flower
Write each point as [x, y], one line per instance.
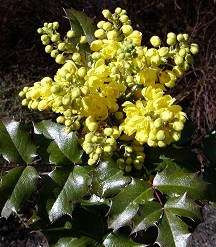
[135, 37]
[155, 120]
[148, 76]
[109, 49]
[94, 106]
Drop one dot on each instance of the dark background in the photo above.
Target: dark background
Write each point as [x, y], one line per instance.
[23, 60]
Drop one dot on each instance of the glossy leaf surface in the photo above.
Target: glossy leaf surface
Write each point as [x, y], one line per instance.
[23, 189]
[108, 179]
[15, 143]
[66, 142]
[126, 204]
[76, 186]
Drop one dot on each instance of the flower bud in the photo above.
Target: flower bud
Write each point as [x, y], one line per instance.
[178, 126]
[112, 35]
[76, 57]
[107, 149]
[161, 144]
[163, 51]
[55, 37]
[180, 37]
[155, 41]
[61, 46]
[107, 26]
[100, 24]
[40, 30]
[83, 39]
[178, 60]
[60, 59]
[194, 48]
[127, 29]
[48, 49]
[186, 36]
[99, 34]
[108, 131]
[81, 72]
[123, 18]
[160, 135]
[60, 119]
[96, 45]
[118, 10]
[45, 39]
[54, 53]
[106, 13]
[70, 34]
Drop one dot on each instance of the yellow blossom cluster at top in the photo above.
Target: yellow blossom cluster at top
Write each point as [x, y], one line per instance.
[115, 96]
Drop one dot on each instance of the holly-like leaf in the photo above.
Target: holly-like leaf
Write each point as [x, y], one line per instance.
[80, 22]
[23, 189]
[115, 240]
[76, 186]
[174, 181]
[7, 183]
[72, 241]
[183, 206]
[148, 215]
[126, 204]
[59, 176]
[108, 179]
[15, 143]
[66, 142]
[173, 232]
[56, 156]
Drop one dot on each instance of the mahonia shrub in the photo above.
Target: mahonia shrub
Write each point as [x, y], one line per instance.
[113, 90]
[113, 170]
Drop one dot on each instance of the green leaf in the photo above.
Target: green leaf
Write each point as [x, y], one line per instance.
[7, 183]
[66, 142]
[126, 204]
[173, 232]
[81, 20]
[108, 179]
[174, 181]
[183, 206]
[76, 242]
[76, 186]
[56, 156]
[115, 240]
[59, 176]
[25, 186]
[148, 215]
[15, 143]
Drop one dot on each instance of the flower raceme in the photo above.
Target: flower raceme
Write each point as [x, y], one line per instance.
[114, 97]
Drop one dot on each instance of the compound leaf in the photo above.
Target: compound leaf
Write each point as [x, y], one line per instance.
[126, 204]
[178, 182]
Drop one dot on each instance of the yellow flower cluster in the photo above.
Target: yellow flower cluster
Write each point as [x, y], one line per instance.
[154, 120]
[114, 96]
